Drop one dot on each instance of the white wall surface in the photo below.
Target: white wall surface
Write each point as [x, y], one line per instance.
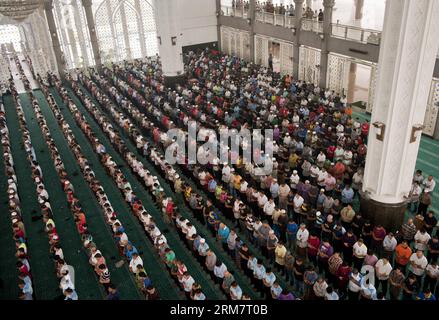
[199, 21]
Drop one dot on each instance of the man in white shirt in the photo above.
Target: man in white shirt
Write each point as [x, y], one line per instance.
[323, 174]
[382, 272]
[219, 270]
[243, 186]
[389, 245]
[269, 207]
[359, 251]
[294, 180]
[190, 231]
[338, 153]
[421, 240]
[226, 173]
[418, 264]
[187, 282]
[354, 286]
[302, 240]
[136, 260]
[413, 197]
[203, 247]
[429, 184]
[297, 204]
[321, 158]
[235, 291]
[66, 281]
[262, 199]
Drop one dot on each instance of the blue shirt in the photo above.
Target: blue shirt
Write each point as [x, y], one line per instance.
[212, 185]
[197, 243]
[270, 278]
[224, 233]
[276, 291]
[347, 195]
[422, 296]
[259, 272]
[292, 228]
[129, 253]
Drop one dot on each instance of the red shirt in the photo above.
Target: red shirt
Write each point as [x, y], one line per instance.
[343, 272]
[330, 152]
[365, 129]
[315, 242]
[24, 270]
[165, 121]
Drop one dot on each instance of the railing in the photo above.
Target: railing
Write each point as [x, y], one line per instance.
[337, 30]
[275, 19]
[312, 25]
[290, 21]
[355, 34]
[269, 18]
[240, 12]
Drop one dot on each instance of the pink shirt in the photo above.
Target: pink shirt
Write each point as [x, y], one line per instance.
[370, 260]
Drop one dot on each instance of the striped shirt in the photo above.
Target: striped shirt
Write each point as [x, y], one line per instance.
[408, 231]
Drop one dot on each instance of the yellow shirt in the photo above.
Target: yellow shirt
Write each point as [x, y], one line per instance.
[187, 192]
[237, 182]
[23, 245]
[293, 160]
[50, 221]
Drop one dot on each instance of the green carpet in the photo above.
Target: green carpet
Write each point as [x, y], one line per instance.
[209, 288]
[102, 236]
[8, 271]
[86, 283]
[42, 266]
[135, 233]
[185, 211]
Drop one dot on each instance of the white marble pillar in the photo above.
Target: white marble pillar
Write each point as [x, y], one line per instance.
[408, 51]
[140, 28]
[328, 6]
[168, 16]
[87, 4]
[48, 7]
[298, 13]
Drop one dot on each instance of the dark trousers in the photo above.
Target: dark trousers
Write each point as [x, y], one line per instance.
[429, 283]
[358, 262]
[422, 209]
[383, 285]
[353, 296]
[347, 255]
